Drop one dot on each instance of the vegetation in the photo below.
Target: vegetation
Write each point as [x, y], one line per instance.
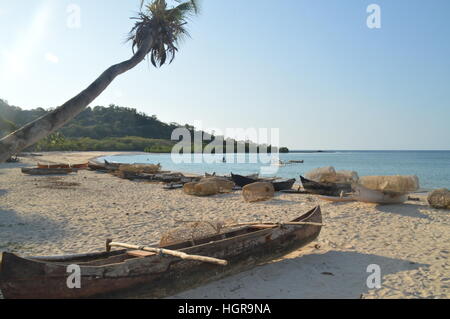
[156, 33]
[111, 128]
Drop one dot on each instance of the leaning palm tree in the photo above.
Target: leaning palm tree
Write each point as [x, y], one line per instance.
[156, 34]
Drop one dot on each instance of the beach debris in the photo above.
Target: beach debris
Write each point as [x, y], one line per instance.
[330, 175]
[259, 191]
[140, 169]
[439, 198]
[394, 184]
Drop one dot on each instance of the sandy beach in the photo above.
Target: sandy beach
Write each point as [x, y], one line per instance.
[77, 213]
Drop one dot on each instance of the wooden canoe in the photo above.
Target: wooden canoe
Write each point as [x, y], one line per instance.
[326, 189]
[122, 273]
[337, 199]
[48, 171]
[280, 185]
[366, 195]
[242, 181]
[76, 166]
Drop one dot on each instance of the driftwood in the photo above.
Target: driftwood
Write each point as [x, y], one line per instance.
[174, 253]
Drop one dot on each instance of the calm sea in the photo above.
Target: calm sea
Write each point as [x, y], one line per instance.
[432, 167]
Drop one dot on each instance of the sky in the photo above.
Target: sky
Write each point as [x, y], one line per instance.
[311, 68]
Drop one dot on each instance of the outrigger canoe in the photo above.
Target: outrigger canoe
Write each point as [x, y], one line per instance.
[137, 273]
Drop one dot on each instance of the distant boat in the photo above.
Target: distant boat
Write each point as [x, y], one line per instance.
[365, 195]
[296, 162]
[327, 189]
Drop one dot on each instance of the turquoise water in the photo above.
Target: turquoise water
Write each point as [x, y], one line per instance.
[432, 167]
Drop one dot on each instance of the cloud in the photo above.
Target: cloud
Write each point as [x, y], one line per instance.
[50, 57]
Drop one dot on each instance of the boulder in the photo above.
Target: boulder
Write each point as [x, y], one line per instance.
[439, 198]
[257, 192]
[225, 185]
[206, 188]
[189, 188]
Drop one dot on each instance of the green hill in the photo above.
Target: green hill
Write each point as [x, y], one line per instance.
[112, 128]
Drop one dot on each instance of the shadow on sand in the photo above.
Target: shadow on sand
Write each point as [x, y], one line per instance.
[335, 274]
[407, 210]
[19, 234]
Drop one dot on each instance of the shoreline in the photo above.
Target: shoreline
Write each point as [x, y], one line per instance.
[76, 213]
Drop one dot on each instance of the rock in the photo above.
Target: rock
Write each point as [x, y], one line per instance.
[225, 185]
[439, 198]
[189, 188]
[259, 191]
[205, 188]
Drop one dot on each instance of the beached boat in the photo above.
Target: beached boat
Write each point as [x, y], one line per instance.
[366, 195]
[338, 199]
[76, 166]
[284, 184]
[242, 181]
[48, 171]
[326, 189]
[136, 273]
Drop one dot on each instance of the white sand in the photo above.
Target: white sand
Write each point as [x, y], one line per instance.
[410, 242]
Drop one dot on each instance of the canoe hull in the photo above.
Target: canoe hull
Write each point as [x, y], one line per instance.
[365, 195]
[48, 171]
[154, 276]
[325, 189]
[283, 185]
[242, 181]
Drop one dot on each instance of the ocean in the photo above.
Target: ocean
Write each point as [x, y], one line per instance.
[432, 167]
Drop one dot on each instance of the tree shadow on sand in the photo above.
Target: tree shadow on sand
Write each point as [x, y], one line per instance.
[21, 233]
[407, 210]
[335, 274]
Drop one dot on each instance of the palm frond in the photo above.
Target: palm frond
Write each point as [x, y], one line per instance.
[164, 26]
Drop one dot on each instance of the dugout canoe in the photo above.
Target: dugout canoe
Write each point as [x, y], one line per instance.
[242, 181]
[132, 274]
[326, 189]
[75, 166]
[283, 184]
[48, 171]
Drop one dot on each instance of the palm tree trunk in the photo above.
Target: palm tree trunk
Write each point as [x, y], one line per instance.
[44, 126]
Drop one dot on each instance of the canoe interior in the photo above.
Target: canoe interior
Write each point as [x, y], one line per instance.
[118, 256]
